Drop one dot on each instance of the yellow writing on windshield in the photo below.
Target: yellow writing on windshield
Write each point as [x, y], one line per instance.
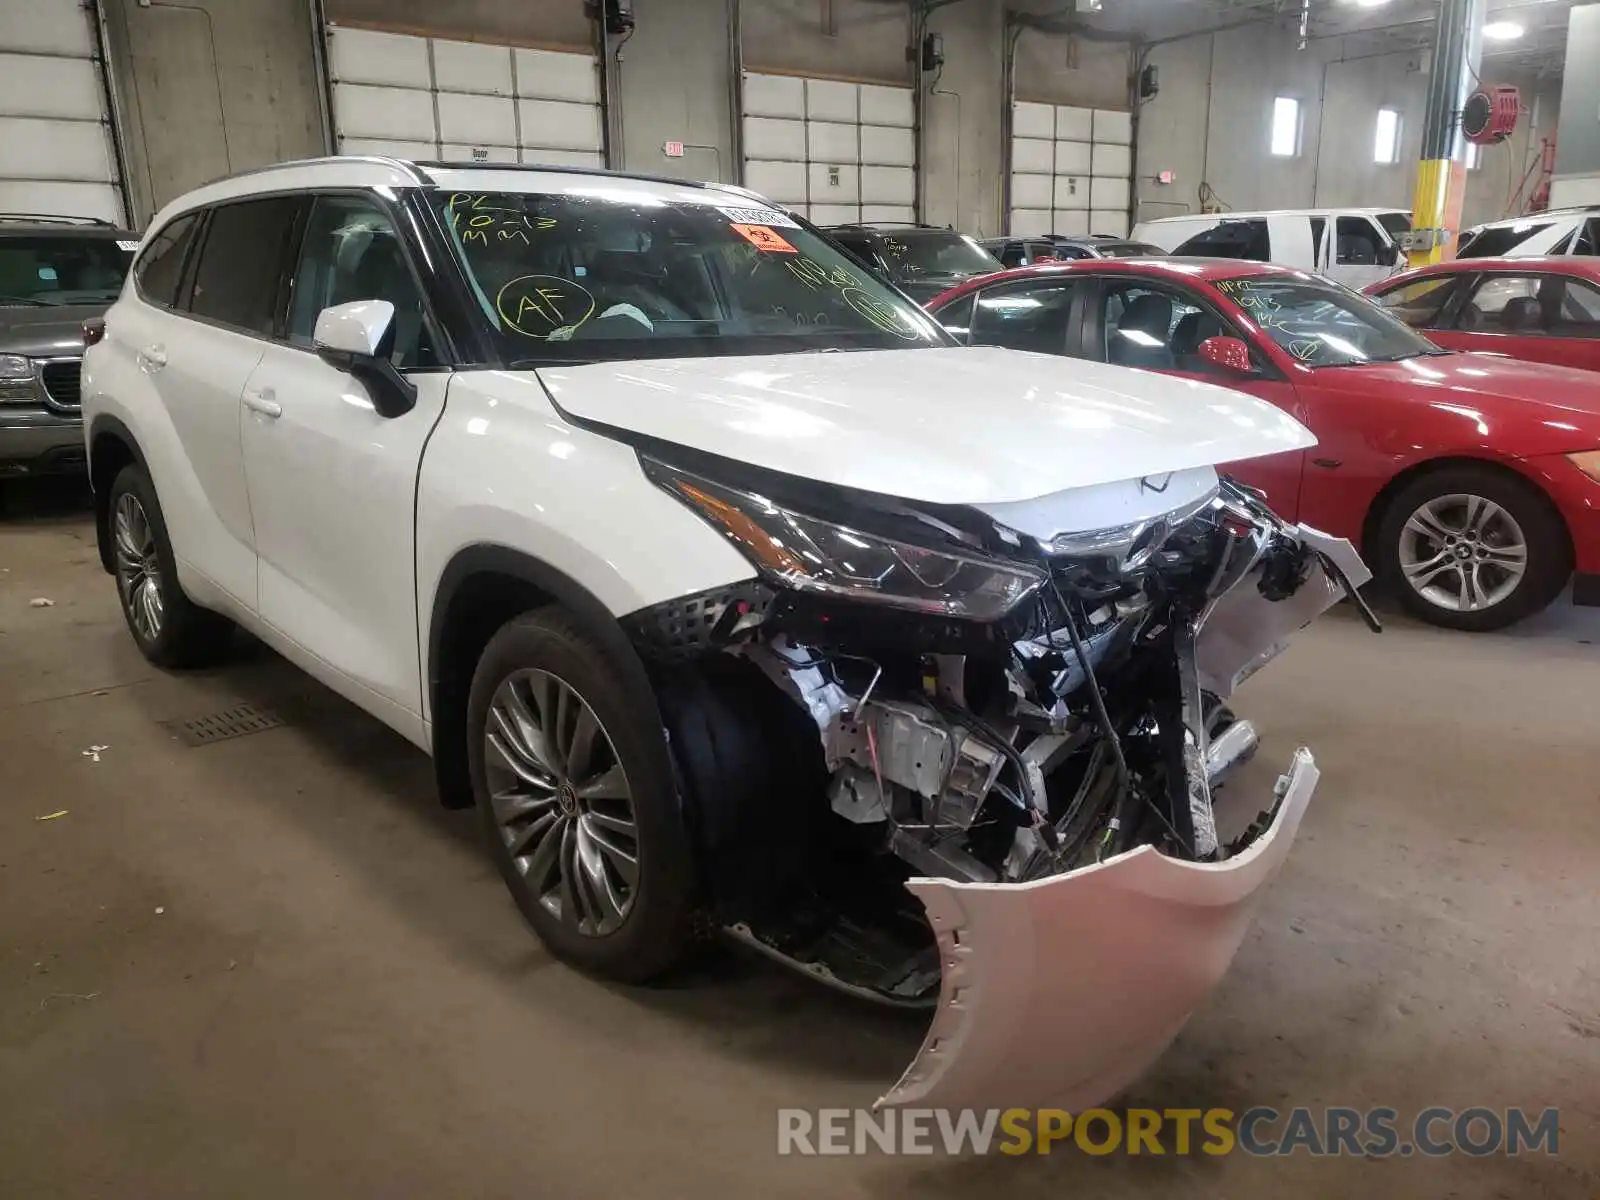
[537, 305]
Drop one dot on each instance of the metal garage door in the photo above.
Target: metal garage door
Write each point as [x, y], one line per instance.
[431, 98]
[1071, 169]
[56, 151]
[832, 150]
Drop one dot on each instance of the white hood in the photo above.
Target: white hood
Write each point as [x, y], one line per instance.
[976, 425]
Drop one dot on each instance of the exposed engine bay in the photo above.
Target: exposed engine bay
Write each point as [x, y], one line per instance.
[867, 781]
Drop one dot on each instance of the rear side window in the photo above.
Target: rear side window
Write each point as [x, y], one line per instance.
[241, 270]
[159, 270]
[1231, 239]
[1421, 302]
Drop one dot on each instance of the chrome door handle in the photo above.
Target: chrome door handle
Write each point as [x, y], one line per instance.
[153, 358]
[263, 403]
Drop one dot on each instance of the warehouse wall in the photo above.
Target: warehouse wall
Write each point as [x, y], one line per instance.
[1578, 153]
[1054, 68]
[867, 41]
[674, 80]
[209, 87]
[1212, 123]
[963, 147]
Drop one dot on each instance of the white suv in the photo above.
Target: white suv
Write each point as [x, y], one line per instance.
[731, 591]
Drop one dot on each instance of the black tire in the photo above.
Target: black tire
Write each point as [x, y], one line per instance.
[187, 635]
[656, 929]
[1548, 550]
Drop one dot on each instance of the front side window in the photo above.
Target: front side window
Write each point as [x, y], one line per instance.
[160, 268]
[1395, 224]
[352, 251]
[1154, 328]
[612, 274]
[38, 269]
[1323, 325]
[1420, 303]
[1533, 305]
[1230, 239]
[1030, 316]
[240, 273]
[1356, 243]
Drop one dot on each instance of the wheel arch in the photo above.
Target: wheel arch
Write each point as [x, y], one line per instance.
[112, 446]
[1386, 494]
[481, 588]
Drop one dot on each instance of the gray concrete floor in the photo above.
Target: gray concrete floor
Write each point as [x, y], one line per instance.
[275, 967]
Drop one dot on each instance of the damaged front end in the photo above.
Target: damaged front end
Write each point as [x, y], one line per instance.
[954, 758]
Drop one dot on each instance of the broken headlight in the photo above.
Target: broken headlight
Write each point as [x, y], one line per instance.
[795, 550]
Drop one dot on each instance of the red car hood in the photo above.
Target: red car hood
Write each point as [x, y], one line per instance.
[1553, 409]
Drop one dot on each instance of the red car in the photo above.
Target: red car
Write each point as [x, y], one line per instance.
[1470, 481]
[1540, 309]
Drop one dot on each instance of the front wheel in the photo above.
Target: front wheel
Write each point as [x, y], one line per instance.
[1472, 548]
[571, 781]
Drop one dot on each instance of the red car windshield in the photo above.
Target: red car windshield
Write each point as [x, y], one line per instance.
[1323, 325]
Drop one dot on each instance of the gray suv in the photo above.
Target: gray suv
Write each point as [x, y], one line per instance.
[55, 274]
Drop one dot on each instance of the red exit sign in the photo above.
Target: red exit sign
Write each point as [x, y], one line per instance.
[672, 149]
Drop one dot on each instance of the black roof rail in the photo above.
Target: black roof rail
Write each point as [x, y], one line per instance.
[56, 219]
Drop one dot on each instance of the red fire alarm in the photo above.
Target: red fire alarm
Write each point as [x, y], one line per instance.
[1490, 114]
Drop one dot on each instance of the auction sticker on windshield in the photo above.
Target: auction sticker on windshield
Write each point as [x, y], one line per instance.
[764, 238]
[758, 216]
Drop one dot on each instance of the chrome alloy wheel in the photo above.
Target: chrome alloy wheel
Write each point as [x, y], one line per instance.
[1463, 553]
[561, 801]
[138, 567]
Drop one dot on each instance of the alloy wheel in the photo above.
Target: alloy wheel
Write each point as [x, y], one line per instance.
[1462, 552]
[561, 801]
[138, 566]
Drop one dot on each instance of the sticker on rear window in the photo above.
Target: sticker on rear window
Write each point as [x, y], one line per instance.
[48, 274]
[130, 247]
[763, 238]
[759, 216]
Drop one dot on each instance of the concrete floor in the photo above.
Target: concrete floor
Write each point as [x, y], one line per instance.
[274, 966]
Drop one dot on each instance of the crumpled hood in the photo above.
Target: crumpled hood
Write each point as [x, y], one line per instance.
[45, 331]
[945, 425]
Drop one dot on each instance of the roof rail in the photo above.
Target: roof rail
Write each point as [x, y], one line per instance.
[562, 169]
[328, 159]
[56, 219]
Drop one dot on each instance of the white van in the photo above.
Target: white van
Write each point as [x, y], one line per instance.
[1352, 246]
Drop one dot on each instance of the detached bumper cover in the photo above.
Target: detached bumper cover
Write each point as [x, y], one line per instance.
[1063, 991]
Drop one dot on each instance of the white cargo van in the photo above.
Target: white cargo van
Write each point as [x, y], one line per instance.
[1352, 246]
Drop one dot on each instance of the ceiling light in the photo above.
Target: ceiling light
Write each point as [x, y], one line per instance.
[1370, 3]
[1502, 31]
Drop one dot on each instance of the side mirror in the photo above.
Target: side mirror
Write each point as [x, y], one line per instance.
[1229, 353]
[358, 337]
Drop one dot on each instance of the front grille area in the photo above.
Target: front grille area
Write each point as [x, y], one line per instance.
[61, 383]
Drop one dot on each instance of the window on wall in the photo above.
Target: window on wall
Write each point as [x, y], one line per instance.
[1386, 139]
[1285, 127]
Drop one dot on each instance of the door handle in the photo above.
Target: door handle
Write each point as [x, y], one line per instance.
[262, 402]
[153, 358]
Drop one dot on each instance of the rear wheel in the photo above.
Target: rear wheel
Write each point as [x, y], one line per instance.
[1472, 548]
[169, 629]
[578, 804]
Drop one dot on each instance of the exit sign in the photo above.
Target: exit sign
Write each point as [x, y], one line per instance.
[672, 149]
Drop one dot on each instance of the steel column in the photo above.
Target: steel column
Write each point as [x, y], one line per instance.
[1441, 173]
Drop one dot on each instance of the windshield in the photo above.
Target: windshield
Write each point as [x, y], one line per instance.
[48, 268]
[936, 252]
[1130, 250]
[584, 276]
[1395, 223]
[1323, 325]
[1494, 240]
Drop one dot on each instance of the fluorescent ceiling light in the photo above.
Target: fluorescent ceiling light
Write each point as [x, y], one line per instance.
[1502, 31]
[1370, 3]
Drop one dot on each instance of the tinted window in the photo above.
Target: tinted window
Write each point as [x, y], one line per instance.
[1128, 250]
[1030, 316]
[1395, 223]
[911, 253]
[1533, 305]
[242, 261]
[610, 274]
[1010, 255]
[1231, 239]
[60, 268]
[1155, 328]
[1419, 304]
[1500, 239]
[1588, 239]
[351, 252]
[1356, 243]
[160, 268]
[1319, 226]
[859, 247]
